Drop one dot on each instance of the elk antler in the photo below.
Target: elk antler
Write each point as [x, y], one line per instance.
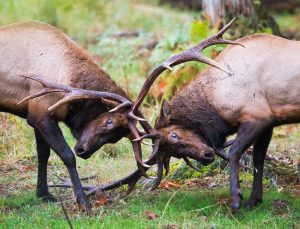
[191, 54]
[72, 93]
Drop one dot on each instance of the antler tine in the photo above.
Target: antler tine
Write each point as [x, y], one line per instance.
[160, 167]
[190, 54]
[167, 165]
[137, 148]
[39, 94]
[117, 108]
[221, 153]
[145, 136]
[187, 161]
[72, 93]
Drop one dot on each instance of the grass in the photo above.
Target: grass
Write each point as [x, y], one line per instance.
[184, 208]
[93, 24]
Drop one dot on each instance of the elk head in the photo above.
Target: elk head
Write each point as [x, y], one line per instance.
[108, 127]
[180, 142]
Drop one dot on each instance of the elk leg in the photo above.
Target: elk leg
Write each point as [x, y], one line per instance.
[259, 153]
[43, 153]
[247, 133]
[54, 137]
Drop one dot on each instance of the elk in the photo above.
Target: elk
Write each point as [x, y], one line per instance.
[33, 48]
[261, 92]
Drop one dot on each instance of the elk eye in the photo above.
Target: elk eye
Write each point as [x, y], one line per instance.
[174, 136]
[109, 122]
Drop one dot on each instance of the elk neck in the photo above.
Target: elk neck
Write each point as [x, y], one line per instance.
[88, 75]
[191, 110]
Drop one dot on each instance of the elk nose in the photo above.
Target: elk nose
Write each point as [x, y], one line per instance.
[209, 156]
[79, 150]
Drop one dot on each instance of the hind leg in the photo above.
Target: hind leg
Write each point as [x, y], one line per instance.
[247, 134]
[259, 153]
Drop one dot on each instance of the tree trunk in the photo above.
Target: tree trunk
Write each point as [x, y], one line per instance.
[220, 11]
[251, 17]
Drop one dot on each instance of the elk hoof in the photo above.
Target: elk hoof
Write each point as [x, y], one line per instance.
[84, 205]
[47, 197]
[235, 207]
[85, 208]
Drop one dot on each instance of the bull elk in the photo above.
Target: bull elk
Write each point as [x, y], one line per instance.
[42, 50]
[261, 92]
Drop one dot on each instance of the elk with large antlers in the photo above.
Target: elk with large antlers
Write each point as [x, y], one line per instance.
[32, 48]
[263, 92]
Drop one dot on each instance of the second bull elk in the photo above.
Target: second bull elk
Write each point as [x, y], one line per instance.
[263, 92]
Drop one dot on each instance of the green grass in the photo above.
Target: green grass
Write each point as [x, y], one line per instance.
[187, 209]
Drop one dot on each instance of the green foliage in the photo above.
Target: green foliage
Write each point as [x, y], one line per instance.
[199, 30]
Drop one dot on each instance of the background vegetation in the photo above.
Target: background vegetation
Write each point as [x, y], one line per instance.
[127, 38]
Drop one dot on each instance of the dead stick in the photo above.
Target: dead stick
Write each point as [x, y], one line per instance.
[63, 207]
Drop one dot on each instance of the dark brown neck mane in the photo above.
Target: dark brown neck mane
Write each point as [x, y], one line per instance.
[89, 76]
[190, 110]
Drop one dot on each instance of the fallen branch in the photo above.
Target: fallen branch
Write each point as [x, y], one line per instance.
[63, 207]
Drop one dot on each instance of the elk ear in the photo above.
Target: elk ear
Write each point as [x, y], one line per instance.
[165, 109]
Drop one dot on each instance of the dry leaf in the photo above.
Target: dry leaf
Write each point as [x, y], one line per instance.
[174, 184]
[223, 200]
[150, 215]
[25, 168]
[101, 201]
[166, 186]
[169, 185]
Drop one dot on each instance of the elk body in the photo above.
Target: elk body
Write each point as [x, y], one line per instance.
[263, 92]
[42, 50]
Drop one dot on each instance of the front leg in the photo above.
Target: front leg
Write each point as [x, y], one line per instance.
[51, 132]
[247, 133]
[43, 153]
